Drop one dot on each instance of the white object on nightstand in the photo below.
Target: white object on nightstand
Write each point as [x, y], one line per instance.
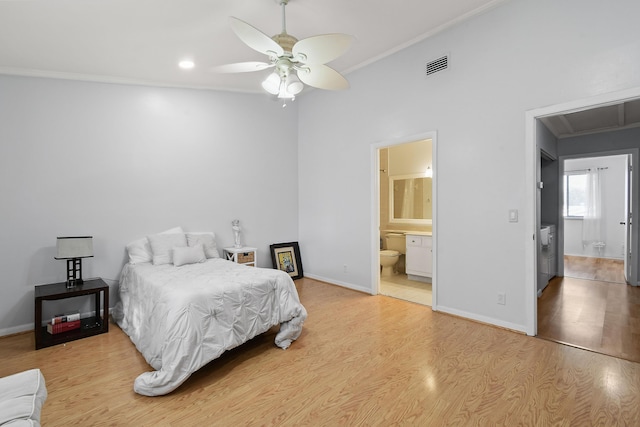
[244, 255]
[236, 233]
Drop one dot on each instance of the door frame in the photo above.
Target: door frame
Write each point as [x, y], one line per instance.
[375, 207]
[532, 170]
[630, 154]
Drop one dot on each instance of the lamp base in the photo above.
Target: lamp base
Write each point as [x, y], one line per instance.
[74, 272]
[72, 283]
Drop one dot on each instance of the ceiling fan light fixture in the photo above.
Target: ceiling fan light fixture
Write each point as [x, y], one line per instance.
[272, 84]
[290, 56]
[293, 84]
[284, 94]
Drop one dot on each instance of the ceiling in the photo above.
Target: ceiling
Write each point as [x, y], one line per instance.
[142, 41]
[600, 119]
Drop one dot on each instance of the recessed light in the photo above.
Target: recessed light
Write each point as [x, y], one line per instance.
[186, 64]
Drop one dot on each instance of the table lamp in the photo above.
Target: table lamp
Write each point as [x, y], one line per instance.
[73, 249]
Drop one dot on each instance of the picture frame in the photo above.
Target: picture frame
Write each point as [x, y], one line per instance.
[286, 257]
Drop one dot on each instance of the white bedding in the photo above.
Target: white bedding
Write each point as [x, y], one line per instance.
[181, 318]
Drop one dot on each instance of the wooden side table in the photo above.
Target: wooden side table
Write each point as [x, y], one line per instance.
[244, 255]
[94, 325]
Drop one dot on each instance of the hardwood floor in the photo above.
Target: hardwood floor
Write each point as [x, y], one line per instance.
[603, 269]
[361, 360]
[597, 315]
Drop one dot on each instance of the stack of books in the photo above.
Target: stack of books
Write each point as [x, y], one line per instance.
[63, 323]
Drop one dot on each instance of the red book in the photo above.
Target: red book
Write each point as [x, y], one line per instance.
[63, 327]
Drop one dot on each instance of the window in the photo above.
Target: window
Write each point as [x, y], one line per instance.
[575, 195]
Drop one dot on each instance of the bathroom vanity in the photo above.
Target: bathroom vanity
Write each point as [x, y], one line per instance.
[419, 260]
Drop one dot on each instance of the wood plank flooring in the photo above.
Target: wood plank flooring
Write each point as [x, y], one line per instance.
[598, 315]
[361, 360]
[603, 269]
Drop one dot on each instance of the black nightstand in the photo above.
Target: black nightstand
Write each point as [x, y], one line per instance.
[94, 325]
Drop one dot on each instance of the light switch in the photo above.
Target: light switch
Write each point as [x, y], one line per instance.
[513, 215]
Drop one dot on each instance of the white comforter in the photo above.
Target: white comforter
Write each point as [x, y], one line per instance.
[181, 318]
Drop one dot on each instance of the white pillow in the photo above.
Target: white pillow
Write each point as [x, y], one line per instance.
[21, 398]
[162, 246]
[188, 255]
[208, 241]
[140, 251]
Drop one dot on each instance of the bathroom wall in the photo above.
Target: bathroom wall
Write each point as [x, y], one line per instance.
[403, 159]
[384, 188]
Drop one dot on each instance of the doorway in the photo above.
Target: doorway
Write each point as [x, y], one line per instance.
[532, 198]
[407, 165]
[589, 304]
[596, 231]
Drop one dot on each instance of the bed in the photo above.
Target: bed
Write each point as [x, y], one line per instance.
[181, 316]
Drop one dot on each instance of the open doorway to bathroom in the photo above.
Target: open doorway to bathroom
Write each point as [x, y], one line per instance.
[406, 199]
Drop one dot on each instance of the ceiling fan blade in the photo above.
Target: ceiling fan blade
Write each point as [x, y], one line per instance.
[241, 67]
[321, 49]
[254, 38]
[323, 77]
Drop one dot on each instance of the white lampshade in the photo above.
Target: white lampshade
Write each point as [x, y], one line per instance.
[272, 83]
[74, 247]
[293, 84]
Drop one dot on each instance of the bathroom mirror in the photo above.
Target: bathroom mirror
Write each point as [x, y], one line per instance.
[410, 199]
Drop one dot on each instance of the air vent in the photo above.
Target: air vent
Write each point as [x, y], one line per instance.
[436, 65]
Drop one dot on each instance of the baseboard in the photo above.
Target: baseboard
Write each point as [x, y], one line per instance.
[16, 330]
[422, 279]
[483, 319]
[339, 283]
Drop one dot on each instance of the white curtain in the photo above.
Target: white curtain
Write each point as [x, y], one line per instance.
[592, 223]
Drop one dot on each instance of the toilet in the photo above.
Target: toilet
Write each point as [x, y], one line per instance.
[395, 244]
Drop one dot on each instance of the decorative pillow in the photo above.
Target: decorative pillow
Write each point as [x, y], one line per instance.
[188, 255]
[162, 246]
[208, 241]
[21, 398]
[140, 251]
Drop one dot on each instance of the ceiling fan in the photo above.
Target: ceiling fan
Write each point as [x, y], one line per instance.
[295, 61]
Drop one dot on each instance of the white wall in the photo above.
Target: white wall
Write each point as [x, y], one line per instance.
[612, 180]
[520, 56]
[120, 162]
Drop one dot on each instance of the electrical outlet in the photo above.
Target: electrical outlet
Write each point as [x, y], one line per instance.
[345, 269]
[502, 298]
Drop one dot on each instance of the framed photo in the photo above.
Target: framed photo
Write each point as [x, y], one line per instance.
[286, 257]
